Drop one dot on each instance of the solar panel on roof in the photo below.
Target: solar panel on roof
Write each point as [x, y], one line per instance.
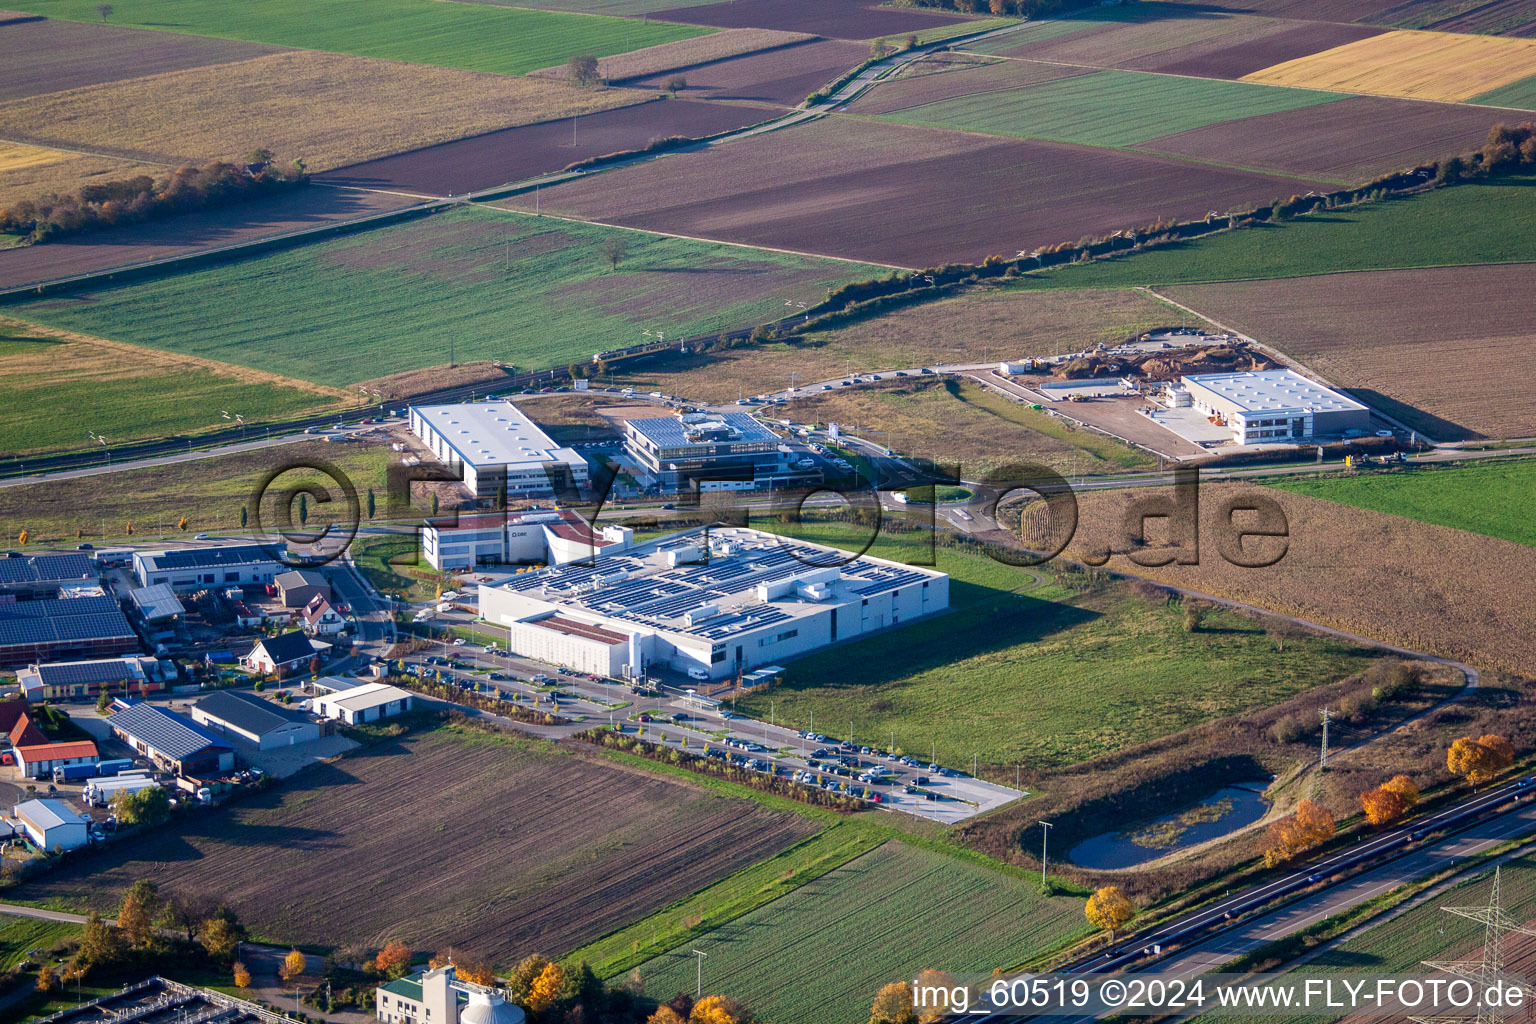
[187, 558]
[40, 568]
[165, 731]
[65, 673]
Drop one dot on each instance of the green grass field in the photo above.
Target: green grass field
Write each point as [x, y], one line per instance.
[473, 282]
[475, 37]
[20, 935]
[1487, 497]
[960, 28]
[132, 398]
[1023, 670]
[1033, 32]
[1108, 108]
[1520, 94]
[613, 8]
[818, 955]
[1479, 222]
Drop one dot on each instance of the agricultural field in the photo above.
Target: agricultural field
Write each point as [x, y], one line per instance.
[1350, 141]
[1024, 670]
[981, 325]
[784, 76]
[470, 283]
[1429, 588]
[1416, 65]
[685, 53]
[518, 153]
[1484, 496]
[45, 171]
[1521, 94]
[828, 187]
[327, 108]
[1477, 222]
[947, 76]
[474, 37]
[1109, 108]
[612, 8]
[958, 423]
[209, 492]
[149, 393]
[18, 935]
[835, 19]
[70, 55]
[271, 215]
[516, 847]
[892, 913]
[1449, 351]
[1500, 17]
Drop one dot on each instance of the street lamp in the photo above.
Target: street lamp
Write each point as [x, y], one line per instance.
[1045, 836]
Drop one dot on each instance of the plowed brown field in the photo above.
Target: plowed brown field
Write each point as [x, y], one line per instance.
[891, 193]
[500, 848]
[1451, 351]
[784, 76]
[944, 83]
[837, 19]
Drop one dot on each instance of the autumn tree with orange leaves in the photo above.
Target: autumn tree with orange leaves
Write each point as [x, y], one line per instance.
[1295, 833]
[394, 959]
[1478, 760]
[1389, 801]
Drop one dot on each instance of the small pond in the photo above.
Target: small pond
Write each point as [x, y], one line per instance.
[1226, 810]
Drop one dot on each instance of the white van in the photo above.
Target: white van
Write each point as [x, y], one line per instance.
[698, 674]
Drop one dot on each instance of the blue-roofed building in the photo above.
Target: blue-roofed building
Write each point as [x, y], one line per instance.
[708, 604]
[58, 629]
[174, 742]
[43, 575]
[713, 451]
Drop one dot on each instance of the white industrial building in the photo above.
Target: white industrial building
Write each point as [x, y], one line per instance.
[439, 996]
[199, 568]
[713, 451]
[708, 603]
[546, 537]
[365, 702]
[1270, 406]
[497, 449]
[256, 721]
[52, 824]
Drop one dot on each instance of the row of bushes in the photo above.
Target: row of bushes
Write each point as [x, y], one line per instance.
[478, 701]
[774, 784]
[143, 198]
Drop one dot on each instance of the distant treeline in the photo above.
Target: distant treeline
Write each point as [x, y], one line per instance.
[1509, 148]
[1019, 8]
[143, 198]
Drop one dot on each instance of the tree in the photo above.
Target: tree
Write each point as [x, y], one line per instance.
[100, 944]
[186, 912]
[221, 935]
[394, 959]
[371, 506]
[1109, 909]
[582, 69]
[434, 503]
[150, 806]
[21, 538]
[181, 524]
[1389, 801]
[245, 515]
[303, 509]
[103, 702]
[1478, 760]
[136, 917]
[292, 967]
[719, 1010]
[879, 48]
[676, 84]
[474, 970]
[614, 247]
[912, 41]
[520, 981]
[1194, 614]
[893, 1005]
[242, 975]
[261, 156]
[545, 988]
[47, 979]
[665, 1015]
[1291, 835]
[928, 982]
[128, 528]
[105, 10]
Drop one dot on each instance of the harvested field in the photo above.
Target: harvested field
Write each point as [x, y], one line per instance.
[784, 76]
[1109, 108]
[328, 108]
[1121, 36]
[1032, 32]
[17, 157]
[1425, 587]
[102, 250]
[1231, 57]
[614, 8]
[150, 393]
[68, 55]
[972, 327]
[437, 378]
[1416, 65]
[518, 153]
[1299, 10]
[957, 423]
[1452, 350]
[832, 187]
[685, 53]
[837, 19]
[66, 172]
[506, 40]
[484, 284]
[915, 88]
[858, 923]
[1521, 94]
[1327, 140]
[521, 848]
[572, 418]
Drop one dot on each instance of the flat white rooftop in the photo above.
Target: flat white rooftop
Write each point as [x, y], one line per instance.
[1264, 391]
[492, 434]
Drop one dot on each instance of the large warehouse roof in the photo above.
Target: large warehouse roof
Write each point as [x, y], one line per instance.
[492, 434]
[165, 731]
[157, 602]
[1261, 391]
[46, 814]
[101, 670]
[15, 568]
[54, 620]
[703, 429]
[667, 584]
[197, 558]
[247, 713]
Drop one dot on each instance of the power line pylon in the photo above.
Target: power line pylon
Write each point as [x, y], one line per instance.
[1487, 970]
